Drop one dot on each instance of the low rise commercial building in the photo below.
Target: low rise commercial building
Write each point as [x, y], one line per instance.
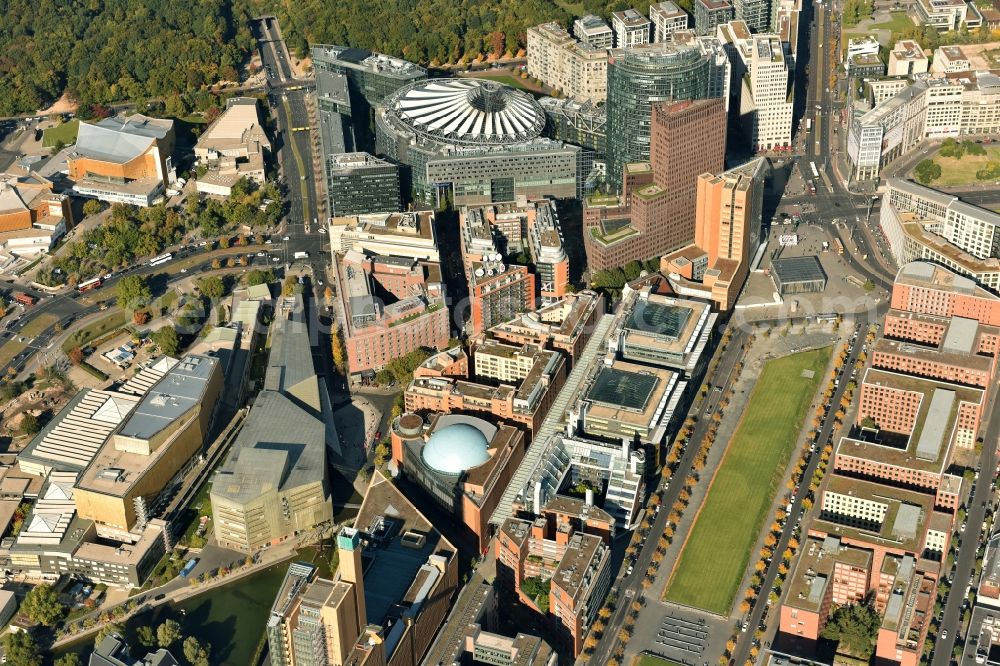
[568, 546]
[122, 485]
[929, 108]
[124, 159]
[232, 148]
[907, 59]
[390, 234]
[33, 218]
[273, 485]
[578, 69]
[798, 275]
[377, 331]
[662, 331]
[391, 591]
[463, 462]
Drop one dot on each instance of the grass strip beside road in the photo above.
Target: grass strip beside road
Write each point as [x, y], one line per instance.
[300, 165]
[727, 526]
[38, 325]
[10, 349]
[92, 331]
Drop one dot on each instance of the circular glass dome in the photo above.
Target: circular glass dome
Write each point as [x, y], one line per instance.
[456, 448]
[468, 111]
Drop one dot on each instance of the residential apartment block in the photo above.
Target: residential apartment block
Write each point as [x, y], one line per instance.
[564, 326]
[727, 235]
[516, 384]
[391, 591]
[531, 228]
[578, 69]
[710, 14]
[393, 305]
[595, 31]
[568, 544]
[667, 18]
[631, 28]
[498, 291]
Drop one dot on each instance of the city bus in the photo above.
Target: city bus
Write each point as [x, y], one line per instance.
[162, 259]
[87, 285]
[815, 172]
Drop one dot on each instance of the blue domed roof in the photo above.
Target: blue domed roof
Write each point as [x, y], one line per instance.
[456, 448]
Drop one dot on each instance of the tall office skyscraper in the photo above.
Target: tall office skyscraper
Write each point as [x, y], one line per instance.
[656, 213]
[639, 77]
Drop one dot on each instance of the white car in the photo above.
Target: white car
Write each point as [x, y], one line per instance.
[286, 238]
[108, 276]
[184, 270]
[262, 254]
[275, 259]
[322, 230]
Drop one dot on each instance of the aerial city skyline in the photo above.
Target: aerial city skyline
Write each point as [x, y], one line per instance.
[635, 334]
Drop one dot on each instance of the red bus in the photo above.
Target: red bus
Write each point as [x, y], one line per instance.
[92, 283]
[25, 299]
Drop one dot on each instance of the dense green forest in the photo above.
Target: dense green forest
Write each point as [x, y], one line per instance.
[105, 51]
[115, 50]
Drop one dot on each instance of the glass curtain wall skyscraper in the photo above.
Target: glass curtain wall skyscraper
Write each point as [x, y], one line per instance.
[638, 77]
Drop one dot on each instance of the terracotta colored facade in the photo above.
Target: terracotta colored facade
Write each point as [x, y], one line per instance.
[687, 139]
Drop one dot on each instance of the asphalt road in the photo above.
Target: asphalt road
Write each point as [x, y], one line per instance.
[627, 587]
[965, 562]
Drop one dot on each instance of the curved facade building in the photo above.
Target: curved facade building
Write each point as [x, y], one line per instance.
[463, 462]
[474, 140]
[639, 77]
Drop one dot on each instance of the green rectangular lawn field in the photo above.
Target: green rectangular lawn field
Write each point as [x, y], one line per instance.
[66, 132]
[652, 660]
[719, 546]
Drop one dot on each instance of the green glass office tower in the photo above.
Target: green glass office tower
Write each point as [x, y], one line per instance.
[638, 77]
